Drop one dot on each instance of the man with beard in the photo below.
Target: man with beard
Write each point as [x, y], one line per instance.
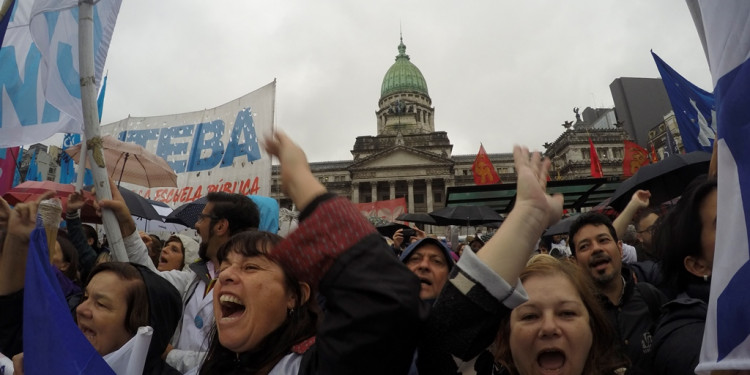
[224, 215]
[633, 307]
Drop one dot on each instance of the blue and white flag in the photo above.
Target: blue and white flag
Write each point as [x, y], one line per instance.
[32, 174]
[39, 68]
[693, 108]
[52, 343]
[670, 146]
[724, 28]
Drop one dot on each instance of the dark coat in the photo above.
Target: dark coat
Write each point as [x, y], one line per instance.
[634, 319]
[679, 335]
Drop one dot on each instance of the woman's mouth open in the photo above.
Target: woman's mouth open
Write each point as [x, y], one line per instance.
[231, 307]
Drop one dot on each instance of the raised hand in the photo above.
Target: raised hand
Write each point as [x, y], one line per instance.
[22, 219]
[640, 198]
[75, 202]
[532, 172]
[297, 181]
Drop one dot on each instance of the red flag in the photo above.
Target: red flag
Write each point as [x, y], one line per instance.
[596, 167]
[654, 159]
[635, 157]
[483, 170]
[8, 158]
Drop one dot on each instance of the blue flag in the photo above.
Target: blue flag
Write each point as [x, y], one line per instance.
[67, 165]
[17, 174]
[693, 108]
[723, 28]
[52, 342]
[32, 174]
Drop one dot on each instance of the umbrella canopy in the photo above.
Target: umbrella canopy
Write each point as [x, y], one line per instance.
[137, 204]
[132, 163]
[388, 229]
[561, 227]
[419, 218]
[466, 215]
[158, 225]
[188, 213]
[31, 190]
[665, 179]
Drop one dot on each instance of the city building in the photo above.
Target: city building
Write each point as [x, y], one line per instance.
[407, 158]
[640, 104]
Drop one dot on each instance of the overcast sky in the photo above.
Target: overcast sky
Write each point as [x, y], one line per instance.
[498, 72]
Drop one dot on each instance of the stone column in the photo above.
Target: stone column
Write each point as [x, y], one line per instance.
[410, 184]
[392, 189]
[355, 192]
[374, 194]
[430, 198]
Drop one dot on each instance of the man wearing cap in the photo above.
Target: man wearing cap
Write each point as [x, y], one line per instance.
[431, 261]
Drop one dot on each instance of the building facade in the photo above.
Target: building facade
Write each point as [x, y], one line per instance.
[407, 158]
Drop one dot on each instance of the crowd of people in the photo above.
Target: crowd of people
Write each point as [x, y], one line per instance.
[335, 297]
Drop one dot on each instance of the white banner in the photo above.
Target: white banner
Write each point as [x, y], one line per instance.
[40, 89]
[211, 150]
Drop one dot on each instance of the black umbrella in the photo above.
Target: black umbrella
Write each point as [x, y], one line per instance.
[466, 215]
[419, 218]
[665, 179]
[188, 213]
[561, 227]
[138, 205]
[389, 229]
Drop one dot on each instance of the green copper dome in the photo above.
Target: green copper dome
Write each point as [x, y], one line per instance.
[403, 76]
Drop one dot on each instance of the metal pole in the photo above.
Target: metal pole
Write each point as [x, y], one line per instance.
[91, 126]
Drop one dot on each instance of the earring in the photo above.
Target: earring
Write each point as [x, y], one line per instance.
[705, 278]
[290, 312]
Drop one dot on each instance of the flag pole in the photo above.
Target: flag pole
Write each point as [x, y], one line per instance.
[91, 126]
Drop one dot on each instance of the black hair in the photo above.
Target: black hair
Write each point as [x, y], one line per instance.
[300, 324]
[678, 234]
[589, 218]
[91, 234]
[70, 255]
[240, 212]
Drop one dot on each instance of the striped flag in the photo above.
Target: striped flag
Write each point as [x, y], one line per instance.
[39, 71]
[723, 27]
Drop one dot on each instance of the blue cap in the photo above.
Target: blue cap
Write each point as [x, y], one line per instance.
[428, 240]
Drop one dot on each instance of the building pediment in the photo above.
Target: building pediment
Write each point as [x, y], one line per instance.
[400, 157]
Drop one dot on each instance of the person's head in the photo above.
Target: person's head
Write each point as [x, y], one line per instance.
[261, 308]
[594, 243]
[431, 261]
[476, 244]
[103, 257]
[172, 255]
[64, 257]
[117, 301]
[544, 244]
[92, 238]
[645, 226]
[686, 235]
[224, 215]
[178, 252]
[561, 328]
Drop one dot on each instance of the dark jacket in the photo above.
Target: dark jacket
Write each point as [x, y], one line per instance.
[634, 319]
[372, 308]
[165, 310]
[86, 254]
[464, 321]
[679, 334]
